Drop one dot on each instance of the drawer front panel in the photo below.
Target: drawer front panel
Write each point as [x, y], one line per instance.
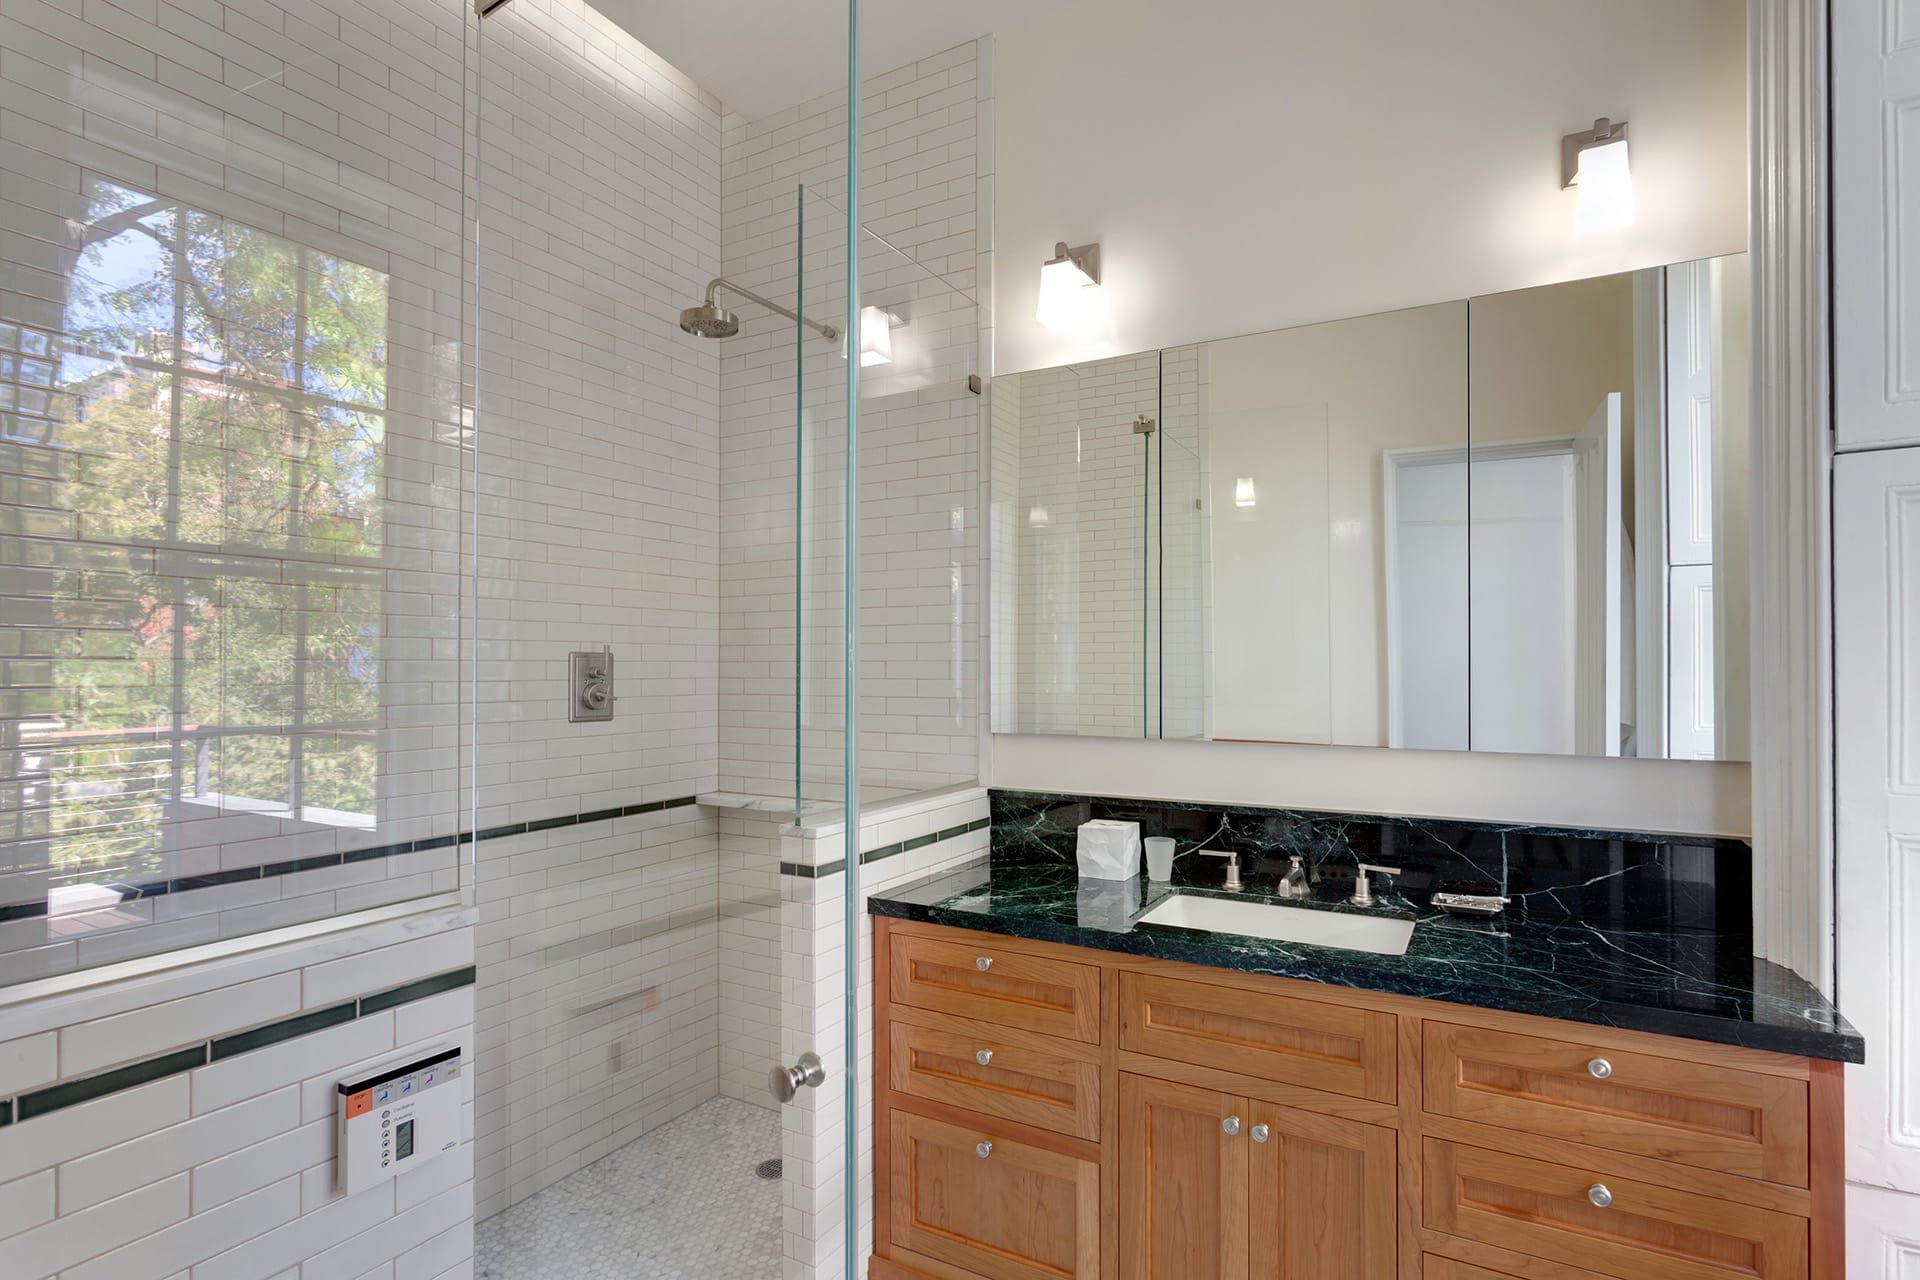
[1435, 1267]
[1707, 1116]
[972, 1067]
[1016, 1212]
[1304, 1042]
[1647, 1232]
[980, 980]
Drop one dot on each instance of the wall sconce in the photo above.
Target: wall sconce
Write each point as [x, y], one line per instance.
[1594, 163]
[1243, 495]
[1069, 282]
[1037, 517]
[876, 336]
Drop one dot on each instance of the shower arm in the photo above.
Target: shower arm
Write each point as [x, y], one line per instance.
[826, 331]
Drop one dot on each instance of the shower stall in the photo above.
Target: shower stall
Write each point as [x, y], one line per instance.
[447, 452]
[697, 420]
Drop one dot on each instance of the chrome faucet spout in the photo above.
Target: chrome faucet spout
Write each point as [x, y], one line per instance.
[1363, 885]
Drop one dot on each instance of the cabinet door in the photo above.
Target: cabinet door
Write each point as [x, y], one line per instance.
[1320, 1197]
[1183, 1182]
[992, 1204]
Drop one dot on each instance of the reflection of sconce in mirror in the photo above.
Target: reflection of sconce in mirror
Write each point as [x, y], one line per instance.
[1594, 163]
[1037, 517]
[1243, 495]
[1069, 287]
[876, 336]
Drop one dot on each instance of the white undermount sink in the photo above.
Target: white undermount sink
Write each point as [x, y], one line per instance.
[1378, 934]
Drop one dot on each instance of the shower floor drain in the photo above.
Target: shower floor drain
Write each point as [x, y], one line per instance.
[768, 1170]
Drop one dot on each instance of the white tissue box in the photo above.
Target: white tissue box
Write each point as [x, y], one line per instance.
[1109, 849]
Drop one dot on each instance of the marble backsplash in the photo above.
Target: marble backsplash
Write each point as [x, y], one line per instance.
[1608, 879]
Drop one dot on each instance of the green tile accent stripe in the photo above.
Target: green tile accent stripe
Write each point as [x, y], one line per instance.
[274, 1032]
[417, 990]
[130, 892]
[826, 869]
[85, 1089]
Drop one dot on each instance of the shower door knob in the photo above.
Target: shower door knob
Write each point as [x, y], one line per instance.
[784, 1082]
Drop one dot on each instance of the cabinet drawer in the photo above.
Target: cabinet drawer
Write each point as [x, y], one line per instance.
[1016, 1212]
[1711, 1117]
[1648, 1232]
[1273, 1037]
[982, 1069]
[1435, 1267]
[979, 980]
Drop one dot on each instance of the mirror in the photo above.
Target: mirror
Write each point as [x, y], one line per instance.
[1515, 523]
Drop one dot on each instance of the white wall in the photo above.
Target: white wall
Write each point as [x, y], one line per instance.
[1247, 166]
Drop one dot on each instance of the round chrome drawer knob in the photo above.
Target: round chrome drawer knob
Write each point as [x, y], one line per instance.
[984, 963]
[983, 1150]
[1599, 1068]
[1600, 1197]
[983, 1057]
[1258, 1133]
[1230, 1126]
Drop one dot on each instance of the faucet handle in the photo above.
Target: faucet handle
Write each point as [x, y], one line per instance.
[1233, 863]
[1363, 886]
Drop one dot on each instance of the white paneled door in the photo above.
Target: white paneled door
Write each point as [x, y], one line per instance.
[1877, 707]
[1876, 221]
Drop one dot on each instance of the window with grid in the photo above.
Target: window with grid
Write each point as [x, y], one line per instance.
[194, 557]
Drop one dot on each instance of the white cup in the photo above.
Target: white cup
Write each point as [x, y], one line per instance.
[1160, 858]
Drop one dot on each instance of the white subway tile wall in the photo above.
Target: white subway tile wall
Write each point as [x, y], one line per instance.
[922, 183]
[225, 1171]
[231, 473]
[1080, 530]
[599, 455]
[814, 919]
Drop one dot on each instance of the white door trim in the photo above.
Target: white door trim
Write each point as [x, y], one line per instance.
[1792, 692]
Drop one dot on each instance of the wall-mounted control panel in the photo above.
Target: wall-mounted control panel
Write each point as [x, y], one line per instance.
[590, 685]
[397, 1119]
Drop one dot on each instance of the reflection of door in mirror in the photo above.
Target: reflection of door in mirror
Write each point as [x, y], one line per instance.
[1623, 372]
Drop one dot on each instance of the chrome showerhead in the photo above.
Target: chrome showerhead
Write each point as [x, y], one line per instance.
[710, 321]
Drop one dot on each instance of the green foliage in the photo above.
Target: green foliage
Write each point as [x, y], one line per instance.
[223, 459]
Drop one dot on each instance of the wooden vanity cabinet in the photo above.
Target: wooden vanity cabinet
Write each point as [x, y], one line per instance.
[1219, 1187]
[1048, 1112]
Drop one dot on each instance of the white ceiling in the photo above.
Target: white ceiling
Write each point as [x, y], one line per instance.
[762, 56]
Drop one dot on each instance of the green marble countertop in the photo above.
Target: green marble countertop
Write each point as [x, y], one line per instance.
[1688, 983]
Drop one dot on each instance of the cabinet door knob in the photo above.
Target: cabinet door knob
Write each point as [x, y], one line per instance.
[983, 1057]
[1599, 1068]
[1259, 1133]
[1600, 1196]
[1230, 1126]
[983, 1150]
[983, 963]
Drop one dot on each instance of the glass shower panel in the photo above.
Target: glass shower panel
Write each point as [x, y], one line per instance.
[233, 485]
[662, 422]
[921, 415]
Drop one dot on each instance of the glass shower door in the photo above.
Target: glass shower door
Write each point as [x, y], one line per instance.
[659, 379]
